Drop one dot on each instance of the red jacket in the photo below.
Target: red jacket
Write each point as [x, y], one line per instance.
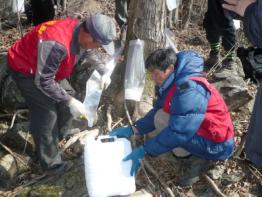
[23, 55]
[217, 125]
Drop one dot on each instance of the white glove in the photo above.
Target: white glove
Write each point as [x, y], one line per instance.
[105, 81]
[77, 109]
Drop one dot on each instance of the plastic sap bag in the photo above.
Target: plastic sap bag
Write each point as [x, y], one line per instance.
[94, 88]
[135, 71]
[168, 40]
[171, 4]
[236, 24]
[92, 98]
[17, 6]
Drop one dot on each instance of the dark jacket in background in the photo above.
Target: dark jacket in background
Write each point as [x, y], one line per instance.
[253, 30]
[253, 23]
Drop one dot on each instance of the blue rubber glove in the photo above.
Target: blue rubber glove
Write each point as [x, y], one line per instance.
[136, 156]
[122, 132]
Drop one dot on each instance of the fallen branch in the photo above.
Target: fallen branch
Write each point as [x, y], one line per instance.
[13, 154]
[118, 122]
[255, 172]
[109, 118]
[5, 115]
[240, 148]
[159, 178]
[130, 123]
[214, 186]
[77, 136]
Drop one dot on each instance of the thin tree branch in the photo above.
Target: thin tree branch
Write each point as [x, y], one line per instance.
[16, 156]
[214, 186]
[158, 177]
[118, 122]
[109, 118]
[14, 116]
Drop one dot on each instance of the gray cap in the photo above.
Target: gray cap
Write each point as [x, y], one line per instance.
[102, 29]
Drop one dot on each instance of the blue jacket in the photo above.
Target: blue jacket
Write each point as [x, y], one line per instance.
[188, 108]
[253, 23]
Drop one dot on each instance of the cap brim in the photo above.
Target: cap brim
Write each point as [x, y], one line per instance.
[113, 47]
[109, 48]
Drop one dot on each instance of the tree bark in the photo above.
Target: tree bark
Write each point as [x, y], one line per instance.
[187, 9]
[147, 20]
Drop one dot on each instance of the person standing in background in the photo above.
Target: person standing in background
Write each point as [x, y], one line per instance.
[218, 23]
[251, 13]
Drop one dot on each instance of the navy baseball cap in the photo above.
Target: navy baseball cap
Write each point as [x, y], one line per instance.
[102, 29]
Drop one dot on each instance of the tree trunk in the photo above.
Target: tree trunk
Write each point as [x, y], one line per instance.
[147, 20]
[187, 9]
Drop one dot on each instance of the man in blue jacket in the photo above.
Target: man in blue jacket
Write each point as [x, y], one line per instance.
[251, 11]
[199, 121]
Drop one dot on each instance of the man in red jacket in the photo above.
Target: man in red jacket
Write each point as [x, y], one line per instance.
[40, 61]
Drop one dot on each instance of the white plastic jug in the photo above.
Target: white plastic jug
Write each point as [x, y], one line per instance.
[105, 172]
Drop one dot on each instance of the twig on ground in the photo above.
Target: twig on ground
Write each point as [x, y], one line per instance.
[118, 122]
[16, 156]
[214, 186]
[240, 148]
[14, 116]
[74, 138]
[27, 135]
[109, 118]
[5, 115]
[148, 178]
[159, 178]
[133, 141]
[255, 172]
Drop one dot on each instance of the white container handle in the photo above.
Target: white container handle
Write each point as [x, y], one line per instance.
[106, 138]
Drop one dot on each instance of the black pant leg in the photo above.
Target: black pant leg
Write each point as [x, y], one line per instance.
[229, 38]
[219, 23]
[42, 10]
[65, 118]
[43, 124]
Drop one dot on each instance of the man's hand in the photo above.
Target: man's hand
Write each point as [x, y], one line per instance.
[136, 156]
[125, 132]
[237, 6]
[77, 109]
[105, 81]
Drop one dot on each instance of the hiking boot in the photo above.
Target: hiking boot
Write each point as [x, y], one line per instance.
[227, 70]
[195, 166]
[229, 64]
[213, 59]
